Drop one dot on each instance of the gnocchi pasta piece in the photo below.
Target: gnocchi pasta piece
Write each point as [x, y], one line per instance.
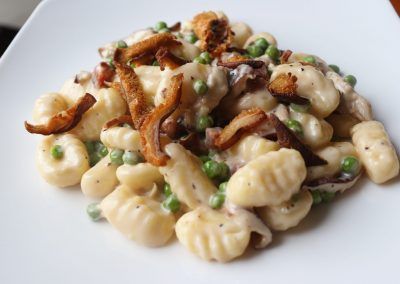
[261, 99]
[68, 170]
[121, 138]
[342, 124]
[334, 153]
[187, 50]
[270, 179]
[100, 180]
[183, 172]
[288, 214]
[149, 77]
[319, 62]
[312, 85]
[316, 132]
[270, 38]
[109, 105]
[213, 235]
[139, 218]
[48, 105]
[140, 177]
[72, 91]
[375, 150]
[242, 32]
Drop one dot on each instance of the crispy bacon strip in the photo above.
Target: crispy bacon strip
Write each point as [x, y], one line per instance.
[65, 120]
[235, 64]
[117, 121]
[243, 122]
[284, 87]
[146, 46]
[287, 139]
[285, 56]
[214, 33]
[133, 93]
[150, 129]
[167, 59]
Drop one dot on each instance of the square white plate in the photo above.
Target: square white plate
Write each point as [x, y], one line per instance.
[45, 235]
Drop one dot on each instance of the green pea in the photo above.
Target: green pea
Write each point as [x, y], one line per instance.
[101, 149]
[204, 158]
[316, 195]
[192, 38]
[327, 196]
[167, 189]
[90, 147]
[199, 60]
[351, 80]
[160, 25]
[57, 152]
[132, 158]
[200, 87]
[94, 212]
[206, 56]
[255, 51]
[212, 153]
[204, 122]
[171, 203]
[262, 43]
[155, 63]
[121, 44]
[110, 62]
[212, 169]
[116, 156]
[222, 186]
[133, 65]
[300, 108]
[225, 171]
[217, 200]
[165, 30]
[309, 59]
[94, 158]
[335, 68]
[350, 165]
[272, 52]
[295, 126]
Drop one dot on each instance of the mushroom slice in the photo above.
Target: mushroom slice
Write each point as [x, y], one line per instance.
[287, 139]
[118, 121]
[234, 64]
[146, 46]
[150, 129]
[332, 184]
[284, 87]
[167, 59]
[64, 121]
[134, 94]
[243, 122]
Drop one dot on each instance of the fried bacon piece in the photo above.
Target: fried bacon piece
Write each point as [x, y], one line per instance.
[118, 121]
[103, 73]
[167, 59]
[214, 33]
[234, 64]
[175, 27]
[133, 94]
[284, 87]
[285, 56]
[65, 120]
[146, 46]
[243, 122]
[332, 184]
[143, 59]
[287, 139]
[193, 143]
[150, 129]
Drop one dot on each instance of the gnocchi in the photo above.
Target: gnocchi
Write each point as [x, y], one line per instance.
[121, 138]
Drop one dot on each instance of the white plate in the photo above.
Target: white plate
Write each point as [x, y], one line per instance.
[45, 234]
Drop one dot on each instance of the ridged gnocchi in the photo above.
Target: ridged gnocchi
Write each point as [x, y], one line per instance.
[48, 105]
[270, 179]
[242, 32]
[376, 151]
[121, 138]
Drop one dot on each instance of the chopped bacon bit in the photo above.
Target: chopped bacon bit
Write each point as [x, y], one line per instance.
[234, 64]
[173, 127]
[332, 184]
[65, 120]
[167, 59]
[287, 139]
[243, 122]
[285, 56]
[193, 143]
[146, 46]
[103, 73]
[214, 33]
[133, 93]
[175, 27]
[118, 121]
[150, 129]
[284, 87]
[143, 59]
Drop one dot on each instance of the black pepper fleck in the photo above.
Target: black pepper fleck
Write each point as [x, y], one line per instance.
[221, 225]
